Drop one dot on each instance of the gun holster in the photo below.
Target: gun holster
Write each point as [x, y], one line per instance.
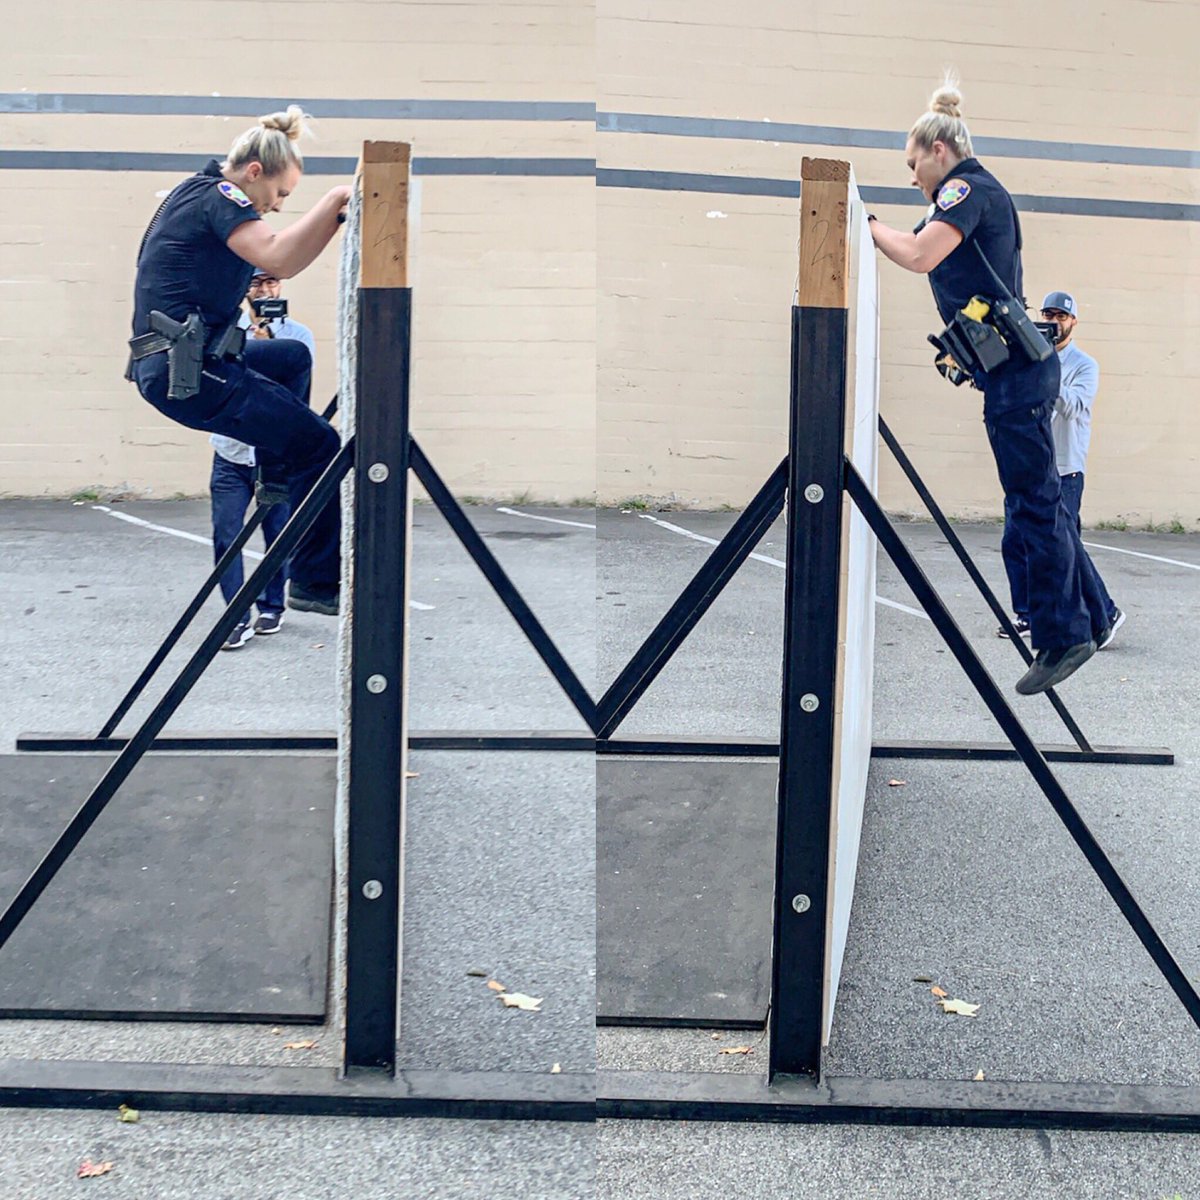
[187, 343]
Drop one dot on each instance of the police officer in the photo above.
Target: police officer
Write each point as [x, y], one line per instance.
[1071, 428]
[970, 208]
[195, 263]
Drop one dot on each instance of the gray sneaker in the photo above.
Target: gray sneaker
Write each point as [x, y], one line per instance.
[268, 623]
[241, 634]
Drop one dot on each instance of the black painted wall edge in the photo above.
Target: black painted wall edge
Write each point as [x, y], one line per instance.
[668, 181]
[127, 104]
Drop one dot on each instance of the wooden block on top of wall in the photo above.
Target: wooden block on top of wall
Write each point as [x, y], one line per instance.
[384, 170]
[824, 233]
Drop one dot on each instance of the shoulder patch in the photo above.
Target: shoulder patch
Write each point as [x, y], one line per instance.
[232, 192]
[952, 193]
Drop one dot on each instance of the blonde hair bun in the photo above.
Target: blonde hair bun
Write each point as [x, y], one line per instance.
[272, 142]
[947, 101]
[293, 122]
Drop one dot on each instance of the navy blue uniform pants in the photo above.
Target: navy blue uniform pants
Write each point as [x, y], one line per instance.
[1016, 564]
[262, 402]
[1065, 608]
[232, 489]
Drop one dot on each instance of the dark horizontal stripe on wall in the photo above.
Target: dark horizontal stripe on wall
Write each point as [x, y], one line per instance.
[120, 160]
[736, 185]
[885, 139]
[254, 106]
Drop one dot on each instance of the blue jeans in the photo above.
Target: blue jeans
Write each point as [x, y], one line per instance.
[262, 401]
[232, 487]
[1012, 548]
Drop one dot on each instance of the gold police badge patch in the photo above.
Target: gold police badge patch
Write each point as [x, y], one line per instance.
[952, 193]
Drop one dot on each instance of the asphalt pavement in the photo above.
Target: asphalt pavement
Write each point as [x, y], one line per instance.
[965, 875]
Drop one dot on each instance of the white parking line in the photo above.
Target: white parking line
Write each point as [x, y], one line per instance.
[513, 512]
[1139, 554]
[774, 562]
[195, 537]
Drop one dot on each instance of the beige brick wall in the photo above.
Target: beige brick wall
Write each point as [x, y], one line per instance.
[504, 285]
[626, 340]
[695, 288]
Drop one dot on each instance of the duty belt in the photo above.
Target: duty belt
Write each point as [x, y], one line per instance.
[225, 343]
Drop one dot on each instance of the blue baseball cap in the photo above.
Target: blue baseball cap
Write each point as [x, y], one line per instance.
[1062, 301]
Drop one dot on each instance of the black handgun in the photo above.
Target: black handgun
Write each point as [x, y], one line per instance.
[185, 357]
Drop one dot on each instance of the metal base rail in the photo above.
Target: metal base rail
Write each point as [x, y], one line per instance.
[569, 742]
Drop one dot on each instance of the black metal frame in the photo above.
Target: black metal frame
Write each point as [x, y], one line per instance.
[794, 1088]
[817, 476]
[375, 758]
[382, 452]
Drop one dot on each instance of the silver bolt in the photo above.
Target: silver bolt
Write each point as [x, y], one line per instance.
[809, 702]
[814, 493]
[376, 684]
[377, 472]
[801, 903]
[372, 889]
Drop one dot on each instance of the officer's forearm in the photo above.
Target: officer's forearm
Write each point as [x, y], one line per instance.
[901, 247]
[290, 250]
[304, 241]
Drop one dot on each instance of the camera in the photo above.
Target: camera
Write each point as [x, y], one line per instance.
[268, 309]
[1049, 330]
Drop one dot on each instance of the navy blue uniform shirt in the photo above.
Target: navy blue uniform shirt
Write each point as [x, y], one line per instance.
[974, 201]
[185, 265]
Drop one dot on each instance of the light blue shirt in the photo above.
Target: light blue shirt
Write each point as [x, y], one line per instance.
[230, 448]
[1071, 422]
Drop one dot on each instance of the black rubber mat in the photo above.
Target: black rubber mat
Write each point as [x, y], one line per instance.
[202, 892]
[684, 875]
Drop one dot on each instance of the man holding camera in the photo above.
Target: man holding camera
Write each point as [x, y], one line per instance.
[234, 467]
[1071, 428]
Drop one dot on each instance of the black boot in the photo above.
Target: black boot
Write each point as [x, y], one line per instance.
[1051, 667]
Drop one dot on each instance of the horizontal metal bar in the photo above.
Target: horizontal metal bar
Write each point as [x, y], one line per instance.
[1139, 756]
[650, 745]
[922, 1102]
[624, 1021]
[166, 1016]
[490, 1095]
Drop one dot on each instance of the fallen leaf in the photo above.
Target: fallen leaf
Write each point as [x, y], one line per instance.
[922, 979]
[556, 1069]
[520, 1000]
[477, 973]
[979, 1075]
[307, 1044]
[496, 986]
[130, 1116]
[90, 1170]
[937, 991]
[959, 1007]
[897, 783]
[736, 1050]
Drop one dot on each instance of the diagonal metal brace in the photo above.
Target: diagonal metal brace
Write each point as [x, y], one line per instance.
[989, 693]
[504, 588]
[693, 602]
[976, 576]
